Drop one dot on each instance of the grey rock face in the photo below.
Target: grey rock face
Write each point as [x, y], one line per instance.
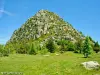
[45, 22]
[91, 65]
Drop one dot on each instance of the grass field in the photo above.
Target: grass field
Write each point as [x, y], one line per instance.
[64, 64]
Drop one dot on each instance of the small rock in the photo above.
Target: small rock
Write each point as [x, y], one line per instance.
[46, 55]
[57, 54]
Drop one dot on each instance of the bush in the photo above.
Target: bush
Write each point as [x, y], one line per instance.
[44, 51]
[79, 46]
[71, 47]
[50, 45]
[21, 48]
[32, 49]
[66, 45]
[11, 48]
[62, 42]
[63, 45]
[3, 51]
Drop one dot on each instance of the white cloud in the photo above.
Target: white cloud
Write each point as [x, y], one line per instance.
[5, 12]
[2, 10]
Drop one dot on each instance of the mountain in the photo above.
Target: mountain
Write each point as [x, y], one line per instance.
[45, 22]
[43, 25]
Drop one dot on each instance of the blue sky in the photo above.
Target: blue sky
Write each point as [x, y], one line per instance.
[84, 15]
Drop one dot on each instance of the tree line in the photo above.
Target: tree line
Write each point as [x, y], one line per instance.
[85, 47]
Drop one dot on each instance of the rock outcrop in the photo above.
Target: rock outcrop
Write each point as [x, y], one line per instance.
[48, 23]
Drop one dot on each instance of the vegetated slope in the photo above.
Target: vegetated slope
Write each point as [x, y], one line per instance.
[43, 25]
[45, 22]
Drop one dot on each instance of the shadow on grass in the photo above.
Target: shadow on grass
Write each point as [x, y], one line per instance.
[86, 57]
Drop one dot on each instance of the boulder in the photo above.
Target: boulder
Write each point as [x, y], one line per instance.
[91, 65]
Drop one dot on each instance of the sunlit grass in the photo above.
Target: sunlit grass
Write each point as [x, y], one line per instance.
[63, 64]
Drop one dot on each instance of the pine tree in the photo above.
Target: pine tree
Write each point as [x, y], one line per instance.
[87, 47]
[96, 47]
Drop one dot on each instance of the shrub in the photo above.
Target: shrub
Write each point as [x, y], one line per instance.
[3, 51]
[62, 44]
[21, 48]
[79, 46]
[71, 46]
[66, 45]
[50, 45]
[32, 49]
[44, 50]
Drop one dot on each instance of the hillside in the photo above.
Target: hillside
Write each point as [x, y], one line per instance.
[43, 25]
[45, 22]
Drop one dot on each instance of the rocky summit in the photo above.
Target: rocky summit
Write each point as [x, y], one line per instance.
[47, 24]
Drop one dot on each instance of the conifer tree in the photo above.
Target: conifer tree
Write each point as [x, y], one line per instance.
[96, 47]
[87, 47]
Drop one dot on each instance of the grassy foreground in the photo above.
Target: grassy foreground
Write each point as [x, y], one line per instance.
[63, 64]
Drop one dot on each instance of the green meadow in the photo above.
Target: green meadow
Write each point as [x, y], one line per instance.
[68, 63]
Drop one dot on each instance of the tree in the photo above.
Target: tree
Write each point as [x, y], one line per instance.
[20, 48]
[91, 39]
[96, 47]
[63, 44]
[87, 47]
[79, 45]
[71, 46]
[81, 33]
[50, 46]
[3, 51]
[32, 49]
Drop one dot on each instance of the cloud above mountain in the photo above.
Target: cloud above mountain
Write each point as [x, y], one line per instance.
[2, 10]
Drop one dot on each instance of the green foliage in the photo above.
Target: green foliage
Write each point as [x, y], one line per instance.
[32, 49]
[87, 47]
[91, 39]
[3, 51]
[21, 49]
[11, 48]
[71, 46]
[50, 45]
[79, 45]
[44, 50]
[66, 45]
[62, 44]
[96, 47]
[81, 34]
